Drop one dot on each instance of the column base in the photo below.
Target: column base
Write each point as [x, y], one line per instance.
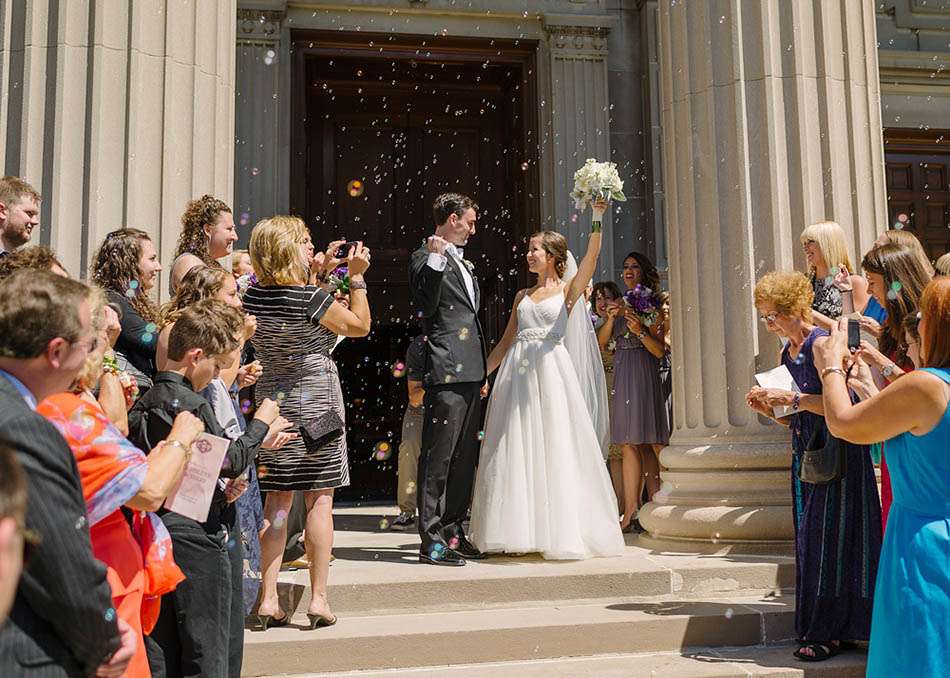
[738, 492]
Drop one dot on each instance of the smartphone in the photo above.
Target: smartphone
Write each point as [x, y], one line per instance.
[345, 248]
[854, 334]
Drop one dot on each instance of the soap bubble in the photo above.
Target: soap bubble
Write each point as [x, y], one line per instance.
[382, 451]
[355, 188]
[399, 370]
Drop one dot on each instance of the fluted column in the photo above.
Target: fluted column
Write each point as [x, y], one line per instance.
[771, 120]
[579, 119]
[117, 112]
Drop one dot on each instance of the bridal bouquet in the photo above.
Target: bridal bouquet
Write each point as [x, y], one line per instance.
[644, 304]
[596, 180]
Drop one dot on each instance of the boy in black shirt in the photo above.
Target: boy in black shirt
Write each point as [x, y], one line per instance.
[200, 630]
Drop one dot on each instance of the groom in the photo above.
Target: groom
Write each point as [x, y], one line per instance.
[445, 293]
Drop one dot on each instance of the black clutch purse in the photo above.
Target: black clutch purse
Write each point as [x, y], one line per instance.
[322, 429]
[824, 458]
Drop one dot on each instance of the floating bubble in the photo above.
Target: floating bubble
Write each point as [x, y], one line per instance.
[255, 171]
[524, 167]
[525, 362]
[459, 368]
[574, 217]
[268, 60]
[245, 406]
[270, 53]
[80, 522]
[728, 613]
[175, 404]
[399, 370]
[834, 270]
[383, 524]
[147, 337]
[902, 218]
[892, 295]
[262, 471]
[481, 435]
[130, 293]
[151, 328]
[896, 286]
[280, 395]
[410, 487]
[110, 614]
[453, 542]
[355, 188]
[382, 451]
[244, 218]
[133, 284]
[463, 334]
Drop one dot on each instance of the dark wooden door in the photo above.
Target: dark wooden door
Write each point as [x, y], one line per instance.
[383, 137]
[918, 185]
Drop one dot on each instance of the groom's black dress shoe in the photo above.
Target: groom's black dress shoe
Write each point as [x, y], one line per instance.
[446, 557]
[467, 549]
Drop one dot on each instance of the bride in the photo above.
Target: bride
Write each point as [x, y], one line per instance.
[542, 485]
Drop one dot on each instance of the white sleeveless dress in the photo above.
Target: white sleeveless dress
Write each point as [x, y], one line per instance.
[542, 486]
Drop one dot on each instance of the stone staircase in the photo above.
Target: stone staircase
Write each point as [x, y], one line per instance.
[704, 610]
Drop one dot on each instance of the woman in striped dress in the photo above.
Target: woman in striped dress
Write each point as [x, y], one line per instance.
[297, 325]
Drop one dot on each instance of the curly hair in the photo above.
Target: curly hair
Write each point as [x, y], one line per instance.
[790, 293]
[116, 265]
[34, 258]
[201, 282]
[555, 245]
[199, 213]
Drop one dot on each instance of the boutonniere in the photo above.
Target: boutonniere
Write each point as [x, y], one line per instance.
[469, 265]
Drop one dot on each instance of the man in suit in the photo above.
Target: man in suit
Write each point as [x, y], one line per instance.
[13, 534]
[19, 213]
[63, 622]
[445, 293]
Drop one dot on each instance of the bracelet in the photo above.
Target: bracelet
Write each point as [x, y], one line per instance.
[796, 402]
[832, 370]
[110, 365]
[357, 285]
[187, 450]
[595, 227]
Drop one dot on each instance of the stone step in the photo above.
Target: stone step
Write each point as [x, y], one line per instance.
[520, 633]
[377, 570]
[774, 661]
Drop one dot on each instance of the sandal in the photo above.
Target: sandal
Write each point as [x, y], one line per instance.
[820, 651]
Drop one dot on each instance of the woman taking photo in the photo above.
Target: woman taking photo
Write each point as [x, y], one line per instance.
[910, 634]
[837, 524]
[297, 326]
[638, 415]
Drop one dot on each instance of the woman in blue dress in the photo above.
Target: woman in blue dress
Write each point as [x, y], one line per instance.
[910, 634]
[837, 524]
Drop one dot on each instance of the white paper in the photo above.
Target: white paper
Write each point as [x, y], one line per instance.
[192, 496]
[781, 378]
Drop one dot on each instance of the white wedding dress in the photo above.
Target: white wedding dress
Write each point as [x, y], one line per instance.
[542, 485]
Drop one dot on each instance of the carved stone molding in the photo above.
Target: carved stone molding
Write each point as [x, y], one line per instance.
[578, 33]
[256, 23]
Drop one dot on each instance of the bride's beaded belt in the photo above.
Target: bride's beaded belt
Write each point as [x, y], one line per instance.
[539, 334]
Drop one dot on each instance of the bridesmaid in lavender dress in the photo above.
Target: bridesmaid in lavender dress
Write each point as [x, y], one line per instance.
[638, 417]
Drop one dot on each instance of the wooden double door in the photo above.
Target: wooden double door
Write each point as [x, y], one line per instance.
[918, 185]
[381, 133]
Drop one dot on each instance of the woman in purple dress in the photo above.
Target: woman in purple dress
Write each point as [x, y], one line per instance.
[837, 524]
[638, 416]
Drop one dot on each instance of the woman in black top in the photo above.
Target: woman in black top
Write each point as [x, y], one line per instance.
[126, 267]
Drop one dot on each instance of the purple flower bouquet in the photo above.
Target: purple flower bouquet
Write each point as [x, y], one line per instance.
[643, 303]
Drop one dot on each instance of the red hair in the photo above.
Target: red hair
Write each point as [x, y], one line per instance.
[935, 310]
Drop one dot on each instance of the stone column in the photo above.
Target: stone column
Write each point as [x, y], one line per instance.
[579, 119]
[771, 120]
[118, 113]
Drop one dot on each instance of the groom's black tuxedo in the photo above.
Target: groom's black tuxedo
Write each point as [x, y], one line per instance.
[455, 372]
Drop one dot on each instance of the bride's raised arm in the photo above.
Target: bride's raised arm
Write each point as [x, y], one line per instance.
[587, 265]
[501, 348]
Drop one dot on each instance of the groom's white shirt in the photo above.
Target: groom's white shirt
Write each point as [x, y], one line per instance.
[438, 262]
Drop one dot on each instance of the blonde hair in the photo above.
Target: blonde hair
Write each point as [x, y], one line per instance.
[201, 282]
[942, 267]
[829, 237]
[91, 371]
[236, 259]
[275, 253]
[909, 241]
[789, 291]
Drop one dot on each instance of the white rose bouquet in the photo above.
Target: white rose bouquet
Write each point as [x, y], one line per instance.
[597, 180]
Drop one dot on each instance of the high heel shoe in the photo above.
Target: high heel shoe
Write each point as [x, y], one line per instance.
[318, 620]
[270, 620]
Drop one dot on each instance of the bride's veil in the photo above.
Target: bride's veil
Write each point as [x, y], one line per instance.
[581, 343]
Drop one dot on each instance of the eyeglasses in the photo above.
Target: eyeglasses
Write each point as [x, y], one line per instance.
[92, 344]
[768, 319]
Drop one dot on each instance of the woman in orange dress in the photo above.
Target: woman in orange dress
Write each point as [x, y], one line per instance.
[115, 474]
